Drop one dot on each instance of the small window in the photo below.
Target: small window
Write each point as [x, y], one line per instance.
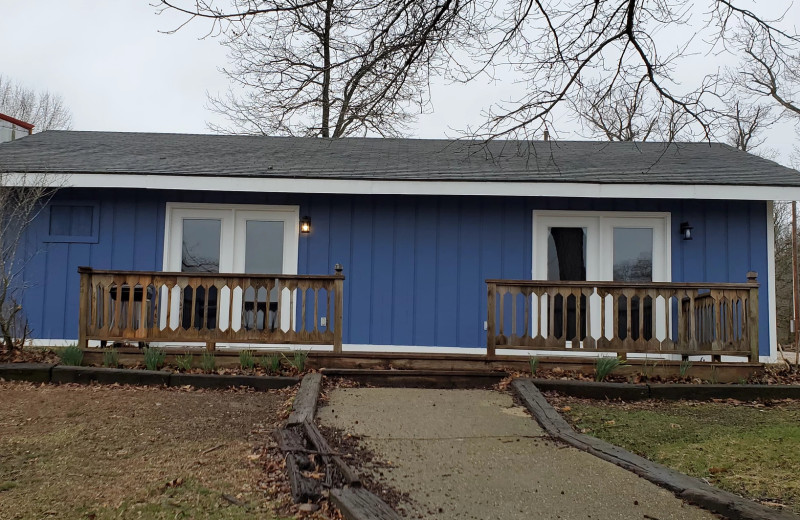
[73, 222]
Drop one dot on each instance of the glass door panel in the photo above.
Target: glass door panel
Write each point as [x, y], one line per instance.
[200, 245]
[200, 253]
[566, 261]
[633, 254]
[263, 255]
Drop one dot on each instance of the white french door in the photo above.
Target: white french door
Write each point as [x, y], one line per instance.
[600, 246]
[210, 238]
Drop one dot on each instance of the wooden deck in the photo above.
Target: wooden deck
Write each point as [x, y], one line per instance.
[680, 319]
[648, 317]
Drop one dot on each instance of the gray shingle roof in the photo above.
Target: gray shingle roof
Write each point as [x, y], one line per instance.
[390, 159]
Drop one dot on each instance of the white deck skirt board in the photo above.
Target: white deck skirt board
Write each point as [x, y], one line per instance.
[381, 187]
[410, 349]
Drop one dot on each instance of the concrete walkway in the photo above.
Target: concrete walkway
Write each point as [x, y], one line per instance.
[473, 454]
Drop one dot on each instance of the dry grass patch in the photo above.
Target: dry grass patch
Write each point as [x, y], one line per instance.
[133, 452]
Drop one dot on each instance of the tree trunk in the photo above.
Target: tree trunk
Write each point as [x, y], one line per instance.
[326, 75]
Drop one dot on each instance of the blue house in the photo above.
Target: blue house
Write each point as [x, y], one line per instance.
[619, 247]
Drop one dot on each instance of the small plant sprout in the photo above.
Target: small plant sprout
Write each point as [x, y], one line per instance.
[154, 358]
[605, 365]
[534, 363]
[271, 363]
[246, 359]
[648, 367]
[111, 358]
[71, 355]
[686, 364]
[208, 362]
[184, 362]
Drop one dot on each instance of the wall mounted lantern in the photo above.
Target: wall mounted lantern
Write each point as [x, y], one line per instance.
[686, 231]
[305, 225]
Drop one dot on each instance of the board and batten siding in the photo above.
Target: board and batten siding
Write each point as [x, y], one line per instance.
[415, 265]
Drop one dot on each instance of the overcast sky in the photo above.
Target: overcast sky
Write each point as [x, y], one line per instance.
[117, 72]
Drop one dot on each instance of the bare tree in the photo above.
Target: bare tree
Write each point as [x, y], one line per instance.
[768, 70]
[22, 198]
[562, 46]
[558, 48]
[43, 109]
[629, 114]
[329, 68]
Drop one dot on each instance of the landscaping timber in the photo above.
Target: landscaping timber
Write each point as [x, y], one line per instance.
[33, 372]
[688, 488]
[305, 402]
[594, 390]
[668, 391]
[360, 504]
[86, 375]
[316, 438]
[227, 381]
[445, 379]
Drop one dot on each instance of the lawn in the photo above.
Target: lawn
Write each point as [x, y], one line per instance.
[105, 452]
[752, 449]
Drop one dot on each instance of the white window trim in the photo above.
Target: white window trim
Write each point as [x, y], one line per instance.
[593, 272]
[289, 214]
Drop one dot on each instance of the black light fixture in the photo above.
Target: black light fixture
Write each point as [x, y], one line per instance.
[305, 225]
[686, 231]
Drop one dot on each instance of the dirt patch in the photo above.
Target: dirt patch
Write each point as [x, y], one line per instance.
[134, 452]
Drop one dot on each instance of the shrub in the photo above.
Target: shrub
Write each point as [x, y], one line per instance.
[71, 355]
[270, 363]
[605, 365]
[246, 359]
[208, 362]
[111, 358]
[154, 358]
[184, 362]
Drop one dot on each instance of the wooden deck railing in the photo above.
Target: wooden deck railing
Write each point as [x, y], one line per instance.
[672, 318]
[139, 306]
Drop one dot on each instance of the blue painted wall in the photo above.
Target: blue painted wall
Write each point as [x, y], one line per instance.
[415, 266]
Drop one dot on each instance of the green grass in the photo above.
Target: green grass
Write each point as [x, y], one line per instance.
[111, 358]
[154, 358]
[71, 355]
[748, 450]
[208, 362]
[246, 360]
[271, 363]
[184, 362]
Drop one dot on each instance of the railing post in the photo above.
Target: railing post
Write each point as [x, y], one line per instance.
[752, 317]
[84, 306]
[337, 311]
[490, 320]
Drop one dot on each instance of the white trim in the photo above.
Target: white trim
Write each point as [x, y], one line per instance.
[773, 309]
[289, 214]
[392, 187]
[601, 270]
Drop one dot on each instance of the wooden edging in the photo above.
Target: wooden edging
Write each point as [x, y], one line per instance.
[51, 373]
[460, 379]
[354, 502]
[697, 392]
[688, 488]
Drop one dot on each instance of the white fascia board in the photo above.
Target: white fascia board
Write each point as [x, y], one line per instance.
[415, 187]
